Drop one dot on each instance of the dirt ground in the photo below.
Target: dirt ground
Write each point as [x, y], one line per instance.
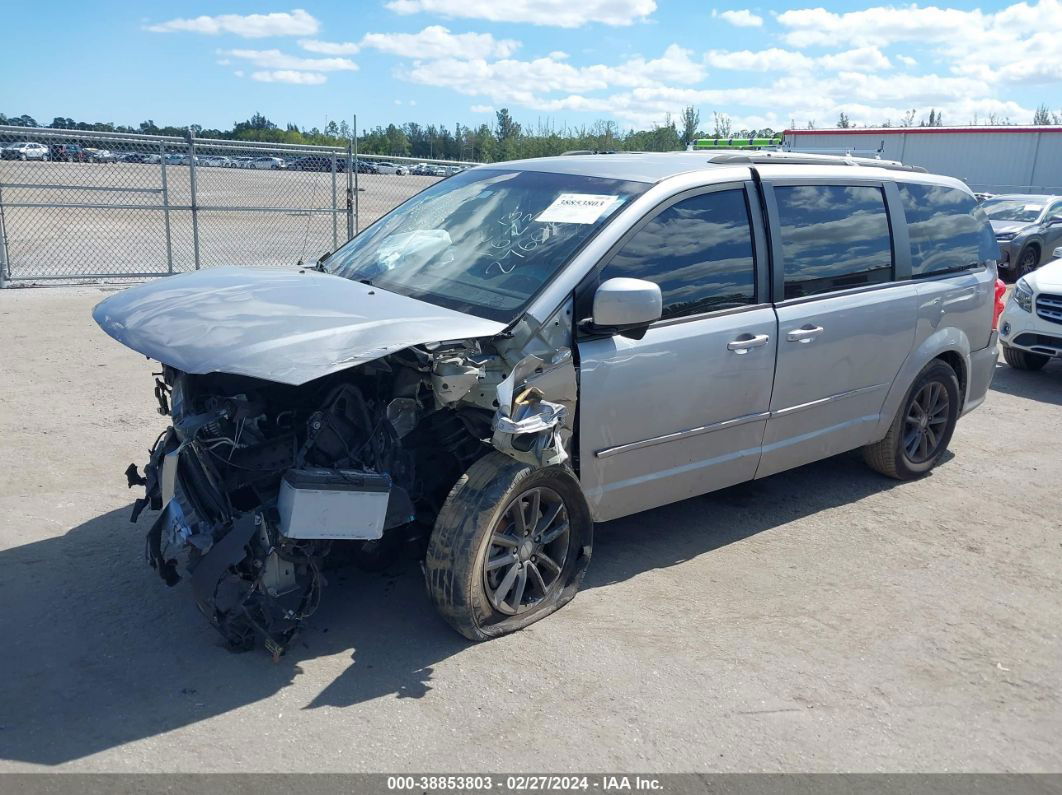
[819, 620]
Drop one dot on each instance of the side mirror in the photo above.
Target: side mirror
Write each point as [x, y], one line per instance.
[1054, 220]
[1057, 253]
[622, 304]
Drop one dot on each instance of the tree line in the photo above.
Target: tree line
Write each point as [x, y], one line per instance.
[507, 139]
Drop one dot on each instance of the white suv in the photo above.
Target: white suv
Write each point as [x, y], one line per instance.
[1031, 325]
[26, 151]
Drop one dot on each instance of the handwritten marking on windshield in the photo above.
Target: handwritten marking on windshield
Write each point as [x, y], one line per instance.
[506, 249]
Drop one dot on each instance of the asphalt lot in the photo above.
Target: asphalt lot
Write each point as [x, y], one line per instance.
[128, 235]
[822, 619]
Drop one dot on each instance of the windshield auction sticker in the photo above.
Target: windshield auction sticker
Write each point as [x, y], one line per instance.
[576, 208]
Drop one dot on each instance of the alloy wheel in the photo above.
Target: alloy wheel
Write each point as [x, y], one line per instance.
[527, 552]
[925, 422]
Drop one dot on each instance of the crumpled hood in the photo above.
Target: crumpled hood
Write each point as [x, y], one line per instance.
[279, 325]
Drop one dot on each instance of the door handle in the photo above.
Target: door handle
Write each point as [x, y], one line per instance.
[805, 334]
[745, 341]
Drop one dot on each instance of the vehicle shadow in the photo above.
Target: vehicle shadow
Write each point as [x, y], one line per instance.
[100, 653]
[1044, 385]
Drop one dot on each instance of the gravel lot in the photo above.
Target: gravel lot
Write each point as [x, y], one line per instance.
[126, 237]
[823, 619]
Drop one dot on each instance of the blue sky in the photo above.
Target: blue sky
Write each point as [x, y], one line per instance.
[567, 61]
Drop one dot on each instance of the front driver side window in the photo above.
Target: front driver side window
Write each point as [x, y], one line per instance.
[699, 251]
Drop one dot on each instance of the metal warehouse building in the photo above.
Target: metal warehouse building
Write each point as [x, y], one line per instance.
[988, 159]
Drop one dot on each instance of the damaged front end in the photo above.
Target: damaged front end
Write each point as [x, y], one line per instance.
[261, 485]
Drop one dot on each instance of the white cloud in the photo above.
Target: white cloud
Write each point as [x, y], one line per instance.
[773, 59]
[779, 61]
[556, 13]
[251, 26]
[862, 59]
[522, 82]
[290, 76]
[275, 59]
[907, 60]
[481, 109]
[1021, 43]
[436, 41]
[238, 73]
[329, 47]
[741, 18]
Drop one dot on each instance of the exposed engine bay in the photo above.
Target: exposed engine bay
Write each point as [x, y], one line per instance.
[261, 485]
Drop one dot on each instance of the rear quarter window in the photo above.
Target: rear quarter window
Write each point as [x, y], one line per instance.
[948, 230]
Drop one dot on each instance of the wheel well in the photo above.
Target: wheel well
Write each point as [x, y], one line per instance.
[1034, 246]
[958, 364]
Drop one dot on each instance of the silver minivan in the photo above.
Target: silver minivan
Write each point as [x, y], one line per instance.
[527, 348]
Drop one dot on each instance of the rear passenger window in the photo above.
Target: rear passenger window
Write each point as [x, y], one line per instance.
[833, 237]
[948, 231]
[698, 250]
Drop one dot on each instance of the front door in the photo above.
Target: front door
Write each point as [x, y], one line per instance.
[681, 411]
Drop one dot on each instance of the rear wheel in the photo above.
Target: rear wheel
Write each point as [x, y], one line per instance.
[1024, 360]
[510, 546]
[923, 426]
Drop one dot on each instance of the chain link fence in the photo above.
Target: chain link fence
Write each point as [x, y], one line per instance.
[81, 205]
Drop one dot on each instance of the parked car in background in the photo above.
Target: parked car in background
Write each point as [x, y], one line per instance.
[101, 155]
[318, 163]
[214, 161]
[620, 333]
[1028, 227]
[68, 153]
[243, 162]
[25, 150]
[421, 170]
[390, 168]
[439, 171]
[366, 167]
[1030, 330]
[269, 163]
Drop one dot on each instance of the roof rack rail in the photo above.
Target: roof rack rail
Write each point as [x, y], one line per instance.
[801, 159]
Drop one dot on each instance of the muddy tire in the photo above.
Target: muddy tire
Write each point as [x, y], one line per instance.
[486, 566]
[1024, 360]
[920, 433]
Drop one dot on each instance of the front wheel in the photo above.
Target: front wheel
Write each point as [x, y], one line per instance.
[1023, 360]
[510, 546]
[923, 426]
[1028, 261]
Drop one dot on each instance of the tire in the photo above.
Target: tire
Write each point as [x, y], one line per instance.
[1028, 261]
[902, 454]
[1024, 360]
[479, 514]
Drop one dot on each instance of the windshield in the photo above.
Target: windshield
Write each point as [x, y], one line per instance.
[483, 241]
[1012, 210]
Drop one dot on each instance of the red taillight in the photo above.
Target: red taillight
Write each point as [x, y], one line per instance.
[1001, 290]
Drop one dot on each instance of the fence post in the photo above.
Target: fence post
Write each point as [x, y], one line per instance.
[195, 200]
[350, 192]
[335, 206]
[166, 209]
[4, 263]
[354, 167]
